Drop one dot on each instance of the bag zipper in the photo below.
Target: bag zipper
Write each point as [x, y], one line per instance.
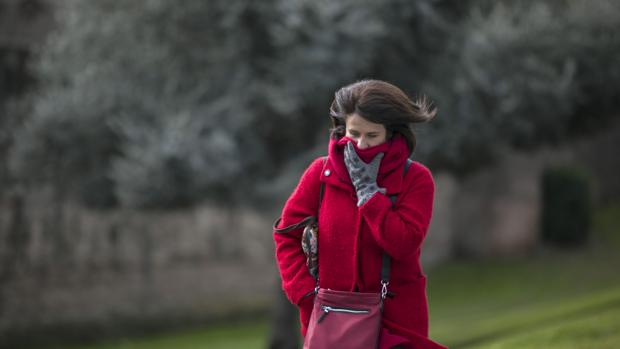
[327, 309]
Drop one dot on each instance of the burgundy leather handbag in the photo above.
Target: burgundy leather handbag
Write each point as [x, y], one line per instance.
[347, 320]
[344, 320]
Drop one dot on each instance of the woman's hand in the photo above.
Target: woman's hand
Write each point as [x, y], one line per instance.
[363, 175]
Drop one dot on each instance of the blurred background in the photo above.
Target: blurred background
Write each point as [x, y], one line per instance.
[146, 147]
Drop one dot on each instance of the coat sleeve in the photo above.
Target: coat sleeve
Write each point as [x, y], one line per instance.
[400, 230]
[303, 202]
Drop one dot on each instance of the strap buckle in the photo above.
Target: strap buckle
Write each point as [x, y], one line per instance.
[384, 290]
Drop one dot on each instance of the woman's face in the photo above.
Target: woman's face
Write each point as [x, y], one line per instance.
[365, 133]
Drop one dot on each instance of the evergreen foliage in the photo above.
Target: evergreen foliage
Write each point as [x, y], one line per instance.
[163, 104]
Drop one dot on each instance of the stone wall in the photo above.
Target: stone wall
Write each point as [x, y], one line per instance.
[77, 272]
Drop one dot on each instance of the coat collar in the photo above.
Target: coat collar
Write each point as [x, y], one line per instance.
[390, 170]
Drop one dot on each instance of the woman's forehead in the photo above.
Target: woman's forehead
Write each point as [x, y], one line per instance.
[359, 123]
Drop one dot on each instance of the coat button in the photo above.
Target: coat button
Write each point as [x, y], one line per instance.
[327, 172]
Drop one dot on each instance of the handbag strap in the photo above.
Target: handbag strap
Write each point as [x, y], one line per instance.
[304, 222]
[386, 262]
[321, 191]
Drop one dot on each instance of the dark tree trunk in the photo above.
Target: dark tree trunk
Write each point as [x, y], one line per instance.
[284, 323]
[13, 256]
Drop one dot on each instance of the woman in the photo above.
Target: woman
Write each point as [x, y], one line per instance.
[357, 220]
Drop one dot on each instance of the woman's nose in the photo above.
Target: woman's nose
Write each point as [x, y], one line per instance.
[361, 144]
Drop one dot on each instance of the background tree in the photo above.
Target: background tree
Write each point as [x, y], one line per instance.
[195, 97]
[510, 74]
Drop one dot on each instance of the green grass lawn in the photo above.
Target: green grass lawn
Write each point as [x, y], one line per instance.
[473, 303]
[600, 330]
[508, 303]
[555, 299]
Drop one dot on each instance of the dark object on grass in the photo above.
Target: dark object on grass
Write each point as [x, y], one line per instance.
[566, 206]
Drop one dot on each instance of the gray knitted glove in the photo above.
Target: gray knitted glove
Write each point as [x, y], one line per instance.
[363, 175]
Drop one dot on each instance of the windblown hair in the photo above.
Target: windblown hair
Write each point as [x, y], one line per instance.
[382, 103]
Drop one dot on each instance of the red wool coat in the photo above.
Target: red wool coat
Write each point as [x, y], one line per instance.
[352, 239]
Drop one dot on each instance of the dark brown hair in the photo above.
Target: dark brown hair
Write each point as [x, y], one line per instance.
[382, 103]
